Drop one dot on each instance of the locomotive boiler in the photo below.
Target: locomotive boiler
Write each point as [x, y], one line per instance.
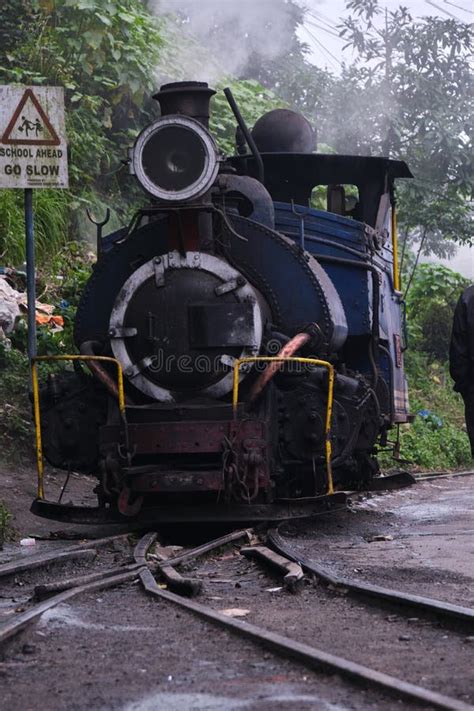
[240, 350]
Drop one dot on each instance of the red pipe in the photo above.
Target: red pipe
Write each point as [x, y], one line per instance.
[87, 348]
[289, 349]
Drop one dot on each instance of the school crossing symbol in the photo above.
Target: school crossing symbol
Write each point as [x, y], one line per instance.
[30, 125]
[33, 149]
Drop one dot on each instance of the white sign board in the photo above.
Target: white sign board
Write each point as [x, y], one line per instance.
[33, 148]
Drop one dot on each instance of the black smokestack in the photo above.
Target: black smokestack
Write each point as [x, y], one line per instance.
[189, 98]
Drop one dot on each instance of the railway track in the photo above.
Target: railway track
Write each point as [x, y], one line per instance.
[151, 564]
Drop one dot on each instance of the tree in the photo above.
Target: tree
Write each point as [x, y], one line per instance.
[415, 91]
[430, 308]
[252, 99]
[101, 52]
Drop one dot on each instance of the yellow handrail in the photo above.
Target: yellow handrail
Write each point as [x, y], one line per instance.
[396, 272]
[296, 359]
[36, 402]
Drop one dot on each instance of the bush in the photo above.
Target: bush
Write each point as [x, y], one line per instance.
[51, 210]
[5, 518]
[436, 439]
[431, 301]
[15, 407]
[428, 448]
[60, 283]
[252, 99]
[102, 53]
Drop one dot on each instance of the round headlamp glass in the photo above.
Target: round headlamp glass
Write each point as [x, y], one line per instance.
[175, 159]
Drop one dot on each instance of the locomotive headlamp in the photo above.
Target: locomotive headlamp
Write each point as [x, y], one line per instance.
[175, 159]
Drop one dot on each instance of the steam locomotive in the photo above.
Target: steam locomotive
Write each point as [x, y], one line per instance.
[260, 338]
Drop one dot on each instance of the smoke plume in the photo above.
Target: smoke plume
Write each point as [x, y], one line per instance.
[221, 35]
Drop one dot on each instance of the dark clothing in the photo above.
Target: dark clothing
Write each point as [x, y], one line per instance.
[469, 414]
[461, 355]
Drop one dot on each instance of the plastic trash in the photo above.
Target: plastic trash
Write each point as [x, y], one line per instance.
[28, 542]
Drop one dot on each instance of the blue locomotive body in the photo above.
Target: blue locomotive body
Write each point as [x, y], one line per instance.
[326, 235]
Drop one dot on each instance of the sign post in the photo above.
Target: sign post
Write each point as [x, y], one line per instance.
[30, 272]
[33, 155]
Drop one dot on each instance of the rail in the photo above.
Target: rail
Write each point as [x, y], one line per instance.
[307, 361]
[36, 402]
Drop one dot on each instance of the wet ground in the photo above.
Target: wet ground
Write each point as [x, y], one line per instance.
[119, 649]
[419, 539]
[122, 650]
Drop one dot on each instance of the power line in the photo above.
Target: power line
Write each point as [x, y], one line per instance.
[320, 24]
[323, 29]
[321, 18]
[441, 9]
[463, 9]
[321, 45]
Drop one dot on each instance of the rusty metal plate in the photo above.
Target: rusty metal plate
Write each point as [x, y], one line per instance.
[185, 437]
[176, 481]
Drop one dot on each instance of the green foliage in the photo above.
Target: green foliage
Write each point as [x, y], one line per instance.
[15, 408]
[436, 215]
[60, 283]
[51, 224]
[431, 301]
[5, 518]
[447, 448]
[103, 53]
[423, 443]
[15, 16]
[415, 89]
[253, 101]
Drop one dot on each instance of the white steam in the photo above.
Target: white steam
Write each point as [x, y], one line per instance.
[222, 34]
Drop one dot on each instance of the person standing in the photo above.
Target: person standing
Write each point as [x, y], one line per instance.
[461, 356]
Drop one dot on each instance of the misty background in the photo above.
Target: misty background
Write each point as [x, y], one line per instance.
[294, 48]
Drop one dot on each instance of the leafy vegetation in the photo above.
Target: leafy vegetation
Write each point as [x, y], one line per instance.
[60, 282]
[414, 79]
[252, 99]
[5, 518]
[15, 408]
[51, 209]
[436, 439]
[101, 52]
[431, 301]
[408, 93]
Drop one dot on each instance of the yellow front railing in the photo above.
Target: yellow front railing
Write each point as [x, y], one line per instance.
[296, 359]
[36, 401]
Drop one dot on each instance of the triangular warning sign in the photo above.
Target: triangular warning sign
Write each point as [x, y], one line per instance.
[29, 124]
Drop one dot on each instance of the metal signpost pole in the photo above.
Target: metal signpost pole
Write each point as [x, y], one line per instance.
[30, 272]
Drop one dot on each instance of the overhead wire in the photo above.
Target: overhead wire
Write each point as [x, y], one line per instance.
[323, 29]
[441, 9]
[332, 57]
[463, 9]
[319, 17]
